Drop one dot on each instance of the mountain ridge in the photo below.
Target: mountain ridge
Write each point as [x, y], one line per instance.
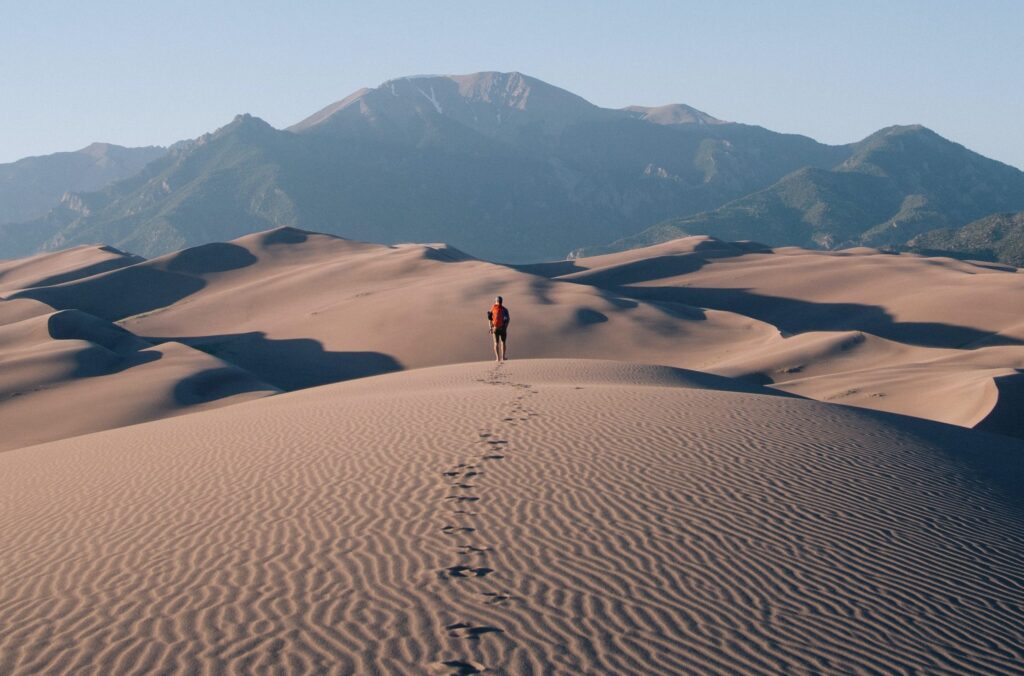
[31, 186]
[510, 168]
[898, 183]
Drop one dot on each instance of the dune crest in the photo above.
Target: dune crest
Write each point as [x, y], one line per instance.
[928, 337]
[68, 373]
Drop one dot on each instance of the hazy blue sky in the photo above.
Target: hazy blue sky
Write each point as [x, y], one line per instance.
[141, 72]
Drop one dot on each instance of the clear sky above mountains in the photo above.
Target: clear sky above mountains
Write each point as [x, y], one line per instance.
[140, 73]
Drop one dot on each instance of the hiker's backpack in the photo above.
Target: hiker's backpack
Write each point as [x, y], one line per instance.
[498, 313]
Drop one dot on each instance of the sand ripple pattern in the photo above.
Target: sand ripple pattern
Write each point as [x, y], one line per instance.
[619, 527]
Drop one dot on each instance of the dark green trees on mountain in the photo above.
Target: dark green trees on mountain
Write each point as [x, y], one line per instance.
[999, 237]
[510, 168]
[895, 185]
[502, 165]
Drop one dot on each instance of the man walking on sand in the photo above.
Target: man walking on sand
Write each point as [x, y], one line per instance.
[497, 321]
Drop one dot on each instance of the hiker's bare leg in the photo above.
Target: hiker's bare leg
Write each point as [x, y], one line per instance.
[504, 347]
[497, 355]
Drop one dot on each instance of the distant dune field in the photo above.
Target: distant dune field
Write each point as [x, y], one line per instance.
[286, 309]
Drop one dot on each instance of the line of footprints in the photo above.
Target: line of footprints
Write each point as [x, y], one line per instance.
[463, 480]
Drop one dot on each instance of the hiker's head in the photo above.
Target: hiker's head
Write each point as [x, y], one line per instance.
[498, 300]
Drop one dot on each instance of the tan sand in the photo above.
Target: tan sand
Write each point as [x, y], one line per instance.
[935, 338]
[61, 266]
[937, 302]
[68, 373]
[928, 337]
[555, 517]
[300, 309]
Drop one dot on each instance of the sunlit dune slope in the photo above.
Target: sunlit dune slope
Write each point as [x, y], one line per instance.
[540, 517]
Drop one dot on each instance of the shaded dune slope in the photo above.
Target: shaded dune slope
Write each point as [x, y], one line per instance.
[67, 373]
[539, 517]
[300, 309]
[62, 266]
[935, 338]
[928, 337]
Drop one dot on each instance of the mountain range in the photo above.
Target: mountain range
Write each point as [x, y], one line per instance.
[896, 185]
[999, 237]
[32, 186]
[513, 169]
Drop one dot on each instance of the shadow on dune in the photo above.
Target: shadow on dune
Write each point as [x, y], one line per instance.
[289, 364]
[646, 269]
[285, 236]
[711, 381]
[118, 294]
[112, 348]
[996, 460]
[1007, 417]
[213, 384]
[659, 267]
[798, 316]
[142, 288]
[215, 257]
[668, 266]
[446, 254]
[97, 361]
[586, 316]
[549, 269]
[88, 271]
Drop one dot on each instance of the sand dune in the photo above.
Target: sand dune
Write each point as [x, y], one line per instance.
[538, 517]
[295, 309]
[68, 373]
[61, 266]
[932, 302]
[895, 333]
[300, 309]
[543, 516]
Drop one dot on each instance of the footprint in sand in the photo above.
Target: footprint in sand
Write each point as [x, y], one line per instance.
[462, 498]
[458, 472]
[455, 530]
[497, 442]
[463, 486]
[457, 668]
[496, 598]
[493, 457]
[461, 469]
[473, 550]
[464, 571]
[470, 631]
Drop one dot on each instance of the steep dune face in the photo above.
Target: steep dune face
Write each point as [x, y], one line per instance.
[921, 336]
[68, 373]
[926, 301]
[539, 517]
[299, 309]
[61, 266]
